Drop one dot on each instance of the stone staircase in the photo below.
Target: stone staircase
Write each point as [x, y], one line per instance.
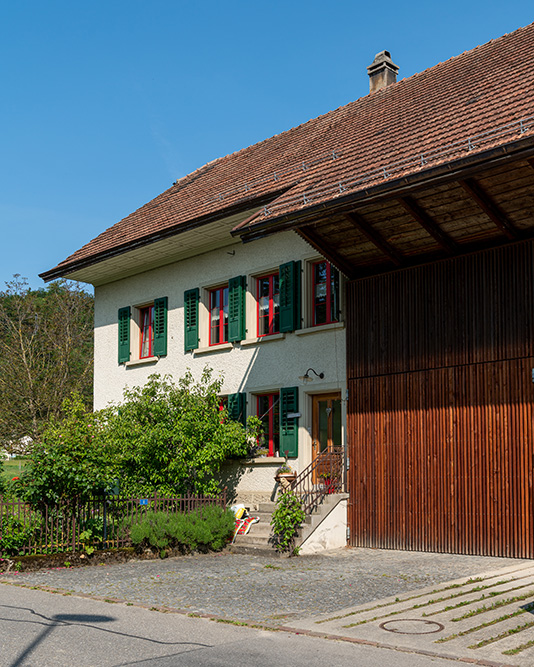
[259, 538]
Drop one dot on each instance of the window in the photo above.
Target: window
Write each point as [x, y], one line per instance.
[218, 307]
[146, 332]
[268, 411]
[268, 295]
[151, 323]
[325, 293]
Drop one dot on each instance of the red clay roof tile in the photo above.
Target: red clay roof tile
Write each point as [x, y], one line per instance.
[465, 104]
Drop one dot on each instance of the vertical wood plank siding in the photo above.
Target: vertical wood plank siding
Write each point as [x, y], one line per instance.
[440, 424]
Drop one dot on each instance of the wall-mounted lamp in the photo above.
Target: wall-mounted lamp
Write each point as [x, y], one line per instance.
[306, 377]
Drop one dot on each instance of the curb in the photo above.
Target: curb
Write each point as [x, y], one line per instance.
[258, 626]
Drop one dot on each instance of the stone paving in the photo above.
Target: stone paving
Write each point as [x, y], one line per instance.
[487, 619]
[263, 589]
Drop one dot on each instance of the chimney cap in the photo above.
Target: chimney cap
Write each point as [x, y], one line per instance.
[382, 71]
[382, 60]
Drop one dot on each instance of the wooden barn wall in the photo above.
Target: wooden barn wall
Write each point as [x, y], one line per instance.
[440, 363]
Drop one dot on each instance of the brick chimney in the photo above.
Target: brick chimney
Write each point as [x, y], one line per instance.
[382, 72]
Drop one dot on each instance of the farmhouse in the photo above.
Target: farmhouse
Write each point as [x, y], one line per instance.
[389, 247]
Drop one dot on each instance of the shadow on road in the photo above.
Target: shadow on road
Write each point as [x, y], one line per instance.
[83, 620]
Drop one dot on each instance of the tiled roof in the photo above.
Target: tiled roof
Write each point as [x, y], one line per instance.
[479, 99]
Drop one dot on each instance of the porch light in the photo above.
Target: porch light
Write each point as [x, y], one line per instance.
[306, 377]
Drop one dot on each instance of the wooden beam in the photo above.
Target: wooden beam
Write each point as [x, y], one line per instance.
[428, 224]
[494, 213]
[375, 237]
[316, 241]
[531, 162]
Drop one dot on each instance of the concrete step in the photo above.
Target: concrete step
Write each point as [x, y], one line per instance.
[265, 508]
[260, 540]
[259, 529]
[253, 550]
[264, 517]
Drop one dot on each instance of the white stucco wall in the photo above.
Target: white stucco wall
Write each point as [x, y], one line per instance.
[251, 482]
[252, 366]
[331, 533]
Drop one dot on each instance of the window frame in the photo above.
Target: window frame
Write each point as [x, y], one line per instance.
[223, 326]
[143, 310]
[273, 400]
[329, 318]
[272, 305]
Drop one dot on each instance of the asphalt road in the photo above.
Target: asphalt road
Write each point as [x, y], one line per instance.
[41, 629]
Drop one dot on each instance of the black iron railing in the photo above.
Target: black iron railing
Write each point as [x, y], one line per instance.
[322, 477]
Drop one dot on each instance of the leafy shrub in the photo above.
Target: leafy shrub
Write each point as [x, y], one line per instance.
[286, 519]
[71, 461]
[173, 438]
[2, 478]
[165, 437]
[207, 528]
[16, 532]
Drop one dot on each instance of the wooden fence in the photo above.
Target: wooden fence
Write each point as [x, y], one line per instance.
[73, 526]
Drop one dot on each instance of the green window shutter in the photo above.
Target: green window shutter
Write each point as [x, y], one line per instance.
[124, 335]
[236, 309]
[191, 298]
[290, 299]
[289, 426]
[237, 407]
[335, 293]
[160, 327]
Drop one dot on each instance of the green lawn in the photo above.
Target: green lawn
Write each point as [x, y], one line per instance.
[13, 467]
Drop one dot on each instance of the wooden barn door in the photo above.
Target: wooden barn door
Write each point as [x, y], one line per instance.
[441, 407]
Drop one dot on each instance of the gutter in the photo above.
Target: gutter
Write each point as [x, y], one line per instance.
[520, 149]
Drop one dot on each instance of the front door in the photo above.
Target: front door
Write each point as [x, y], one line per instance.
[326, 428]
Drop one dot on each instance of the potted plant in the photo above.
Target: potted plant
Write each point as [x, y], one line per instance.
[285, 475]
[330, 481]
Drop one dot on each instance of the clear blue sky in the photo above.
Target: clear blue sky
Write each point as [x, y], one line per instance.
[104, 104]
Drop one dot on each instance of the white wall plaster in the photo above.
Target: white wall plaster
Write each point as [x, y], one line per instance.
[252, 367]
[331, 533]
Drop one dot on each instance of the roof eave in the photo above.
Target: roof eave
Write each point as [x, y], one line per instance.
[64, 270]
[518, 149]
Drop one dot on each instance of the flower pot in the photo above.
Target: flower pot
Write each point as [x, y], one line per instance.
[285, 479]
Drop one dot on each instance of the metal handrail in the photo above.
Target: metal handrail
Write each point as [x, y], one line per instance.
[322, 477]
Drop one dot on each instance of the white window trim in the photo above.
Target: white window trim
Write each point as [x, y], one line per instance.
[263, 339]
[141, 362]
[135, 335]
[210, 349]
[320, 327]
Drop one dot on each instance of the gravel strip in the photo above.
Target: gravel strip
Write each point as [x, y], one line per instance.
[265, 589]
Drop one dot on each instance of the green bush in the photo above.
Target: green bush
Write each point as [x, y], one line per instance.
[71, 461]
[17, 532]
[166, 438]
[2, 478]
[173, 438]
[286, 519]
[204, 529]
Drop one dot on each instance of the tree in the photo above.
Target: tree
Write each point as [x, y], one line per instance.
[165, 437]
[46, 352]
[173, 438]
[70, 460]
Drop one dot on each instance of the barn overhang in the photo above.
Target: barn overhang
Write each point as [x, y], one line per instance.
[455, 208]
